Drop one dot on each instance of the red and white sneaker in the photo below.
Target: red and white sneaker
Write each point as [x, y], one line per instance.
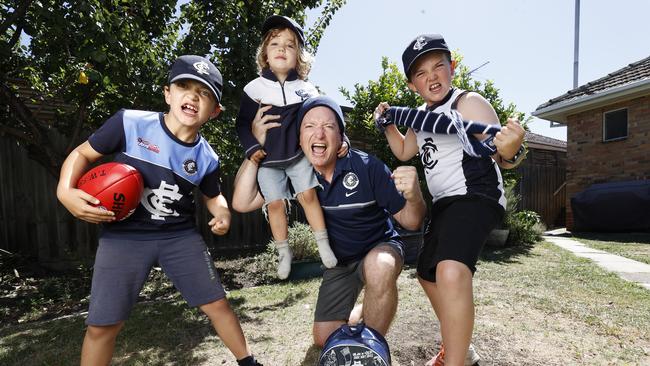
[439, 359]
[471, 358]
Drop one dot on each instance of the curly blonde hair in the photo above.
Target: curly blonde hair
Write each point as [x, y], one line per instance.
[303, 59]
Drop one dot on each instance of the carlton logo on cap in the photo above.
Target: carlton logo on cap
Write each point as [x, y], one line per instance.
[420, 42]
[202, 68]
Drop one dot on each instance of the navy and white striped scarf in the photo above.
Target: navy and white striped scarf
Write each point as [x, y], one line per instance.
[444, 123]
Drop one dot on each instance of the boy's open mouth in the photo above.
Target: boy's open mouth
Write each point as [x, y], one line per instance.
[188, 108]
[434, 87]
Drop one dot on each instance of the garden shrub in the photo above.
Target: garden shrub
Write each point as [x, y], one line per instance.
[525, 227]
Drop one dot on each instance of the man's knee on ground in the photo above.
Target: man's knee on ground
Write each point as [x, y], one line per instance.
[322, 330]
[319, 339]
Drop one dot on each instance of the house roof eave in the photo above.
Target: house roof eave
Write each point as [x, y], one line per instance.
[560, 111]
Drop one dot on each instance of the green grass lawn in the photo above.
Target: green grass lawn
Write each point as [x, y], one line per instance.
[535, 306]
[634, 246]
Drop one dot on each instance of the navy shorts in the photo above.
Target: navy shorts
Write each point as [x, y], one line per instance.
[122, 267]
[342, 285]
[457, 231]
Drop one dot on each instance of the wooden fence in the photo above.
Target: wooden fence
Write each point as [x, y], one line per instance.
[543, 185]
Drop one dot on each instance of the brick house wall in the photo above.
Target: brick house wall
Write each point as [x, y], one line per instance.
[593, 161]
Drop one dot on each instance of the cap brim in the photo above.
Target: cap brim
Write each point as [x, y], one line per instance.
[423, 52]
[278, 21]
[199, 79]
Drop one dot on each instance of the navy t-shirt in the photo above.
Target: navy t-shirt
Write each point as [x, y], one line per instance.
[358, 205]
[170, 167]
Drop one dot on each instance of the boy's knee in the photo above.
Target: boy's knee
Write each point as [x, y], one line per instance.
[452, 273]
[308, 197]
[277, 205]
[104, 332]
[215, 307]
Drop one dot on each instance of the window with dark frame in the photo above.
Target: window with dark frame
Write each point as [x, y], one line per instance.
[615, 125]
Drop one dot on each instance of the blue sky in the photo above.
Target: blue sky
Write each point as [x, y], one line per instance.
[528, 43]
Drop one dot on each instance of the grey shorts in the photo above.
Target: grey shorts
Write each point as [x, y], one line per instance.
[341, 287]
[274, 182]
[122, 267]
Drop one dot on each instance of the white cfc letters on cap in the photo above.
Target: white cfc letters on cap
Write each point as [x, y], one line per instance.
[202, 68]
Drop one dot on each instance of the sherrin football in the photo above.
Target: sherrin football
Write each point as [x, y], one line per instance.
[117, 186]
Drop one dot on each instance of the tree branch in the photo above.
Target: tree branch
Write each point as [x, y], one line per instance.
[20, 109]
[19, 13]
[38, 148]
[16, 36]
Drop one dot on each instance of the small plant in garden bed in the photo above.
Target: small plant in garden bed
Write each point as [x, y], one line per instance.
[262, 268]
[525, 226]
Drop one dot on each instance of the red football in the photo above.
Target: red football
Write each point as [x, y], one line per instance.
[117, 186]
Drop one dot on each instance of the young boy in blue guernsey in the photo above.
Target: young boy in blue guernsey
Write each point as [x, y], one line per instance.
[274, 98]
[162, 228]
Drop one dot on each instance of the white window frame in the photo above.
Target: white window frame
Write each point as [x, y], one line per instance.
[627, 125]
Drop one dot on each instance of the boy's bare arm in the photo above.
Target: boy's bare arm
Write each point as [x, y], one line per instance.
[474, 107]
[75, 200]
[218, 207]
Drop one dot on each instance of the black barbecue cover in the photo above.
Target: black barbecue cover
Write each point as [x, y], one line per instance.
[616, 206]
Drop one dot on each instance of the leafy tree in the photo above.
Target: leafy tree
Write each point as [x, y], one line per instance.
[392, 87]
[82, 60]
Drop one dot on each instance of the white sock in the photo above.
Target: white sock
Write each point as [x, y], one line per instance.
[326, 253]
[284, 258]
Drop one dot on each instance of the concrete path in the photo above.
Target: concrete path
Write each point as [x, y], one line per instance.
[627, 269]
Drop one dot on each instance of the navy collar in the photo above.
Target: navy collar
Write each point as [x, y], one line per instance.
[443, 101]
[268, 74]
[343, 164]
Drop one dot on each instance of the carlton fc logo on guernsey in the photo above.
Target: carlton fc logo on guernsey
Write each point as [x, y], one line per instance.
[428, 151]
[350, 181]
[158, 200]
[189, 167]
[202, 68]
[419, 43]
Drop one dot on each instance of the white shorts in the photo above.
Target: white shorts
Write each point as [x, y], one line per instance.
[280, 183]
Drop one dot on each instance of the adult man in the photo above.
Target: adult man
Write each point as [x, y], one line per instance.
[358, 195]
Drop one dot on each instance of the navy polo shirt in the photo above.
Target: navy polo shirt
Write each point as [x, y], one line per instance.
[358, 204]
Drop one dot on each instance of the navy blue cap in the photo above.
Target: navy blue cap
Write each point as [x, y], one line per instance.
[200, 69]
[421, 45]
[280, 21]
[322, 101]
